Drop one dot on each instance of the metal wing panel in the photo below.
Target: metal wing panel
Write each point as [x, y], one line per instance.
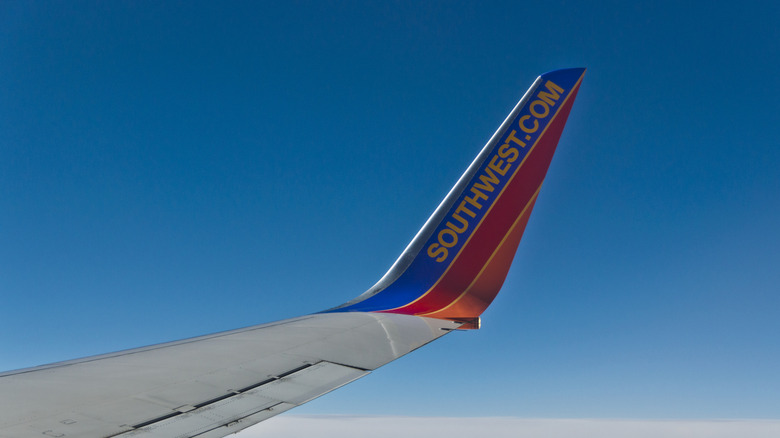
[207, 385]
[264, 401]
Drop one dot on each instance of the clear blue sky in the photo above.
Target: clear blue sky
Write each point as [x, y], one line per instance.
[175, 169]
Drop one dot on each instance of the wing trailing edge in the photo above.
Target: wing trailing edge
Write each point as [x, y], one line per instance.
[457, 263]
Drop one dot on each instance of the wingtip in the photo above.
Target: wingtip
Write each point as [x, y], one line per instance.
[463, 253]
[575, 73]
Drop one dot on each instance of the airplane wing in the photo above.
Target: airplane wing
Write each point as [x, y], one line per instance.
[215, 385]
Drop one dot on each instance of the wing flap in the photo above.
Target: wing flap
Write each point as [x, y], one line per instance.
[240, 410]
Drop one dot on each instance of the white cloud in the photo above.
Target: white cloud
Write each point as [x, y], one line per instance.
[332, 426]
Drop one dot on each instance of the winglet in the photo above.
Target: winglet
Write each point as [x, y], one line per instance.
[458, 261]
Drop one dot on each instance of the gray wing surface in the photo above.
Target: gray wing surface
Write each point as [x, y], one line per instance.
[210, 386]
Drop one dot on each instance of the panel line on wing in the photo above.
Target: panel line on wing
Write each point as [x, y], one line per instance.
[231, 393]
[291, 388]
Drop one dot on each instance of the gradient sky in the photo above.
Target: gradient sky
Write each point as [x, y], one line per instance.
[175, 169]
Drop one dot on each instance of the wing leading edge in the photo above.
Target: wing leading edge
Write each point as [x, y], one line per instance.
[216, 385]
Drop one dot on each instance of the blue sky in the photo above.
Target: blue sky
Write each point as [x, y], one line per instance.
[175, 169]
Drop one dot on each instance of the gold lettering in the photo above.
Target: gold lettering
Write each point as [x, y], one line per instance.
[464, 224]
[439, 254]
[515, 139]
[553, 95]
[527, 129]
[448, 232]
[537, 114]
[462, 207]
[496, 164]
[477, 195]
[486, 180]
[511, 154]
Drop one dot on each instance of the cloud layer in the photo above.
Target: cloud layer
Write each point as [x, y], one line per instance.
[327, 426]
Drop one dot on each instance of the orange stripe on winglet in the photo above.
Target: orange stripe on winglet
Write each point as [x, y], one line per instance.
[481, 292]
